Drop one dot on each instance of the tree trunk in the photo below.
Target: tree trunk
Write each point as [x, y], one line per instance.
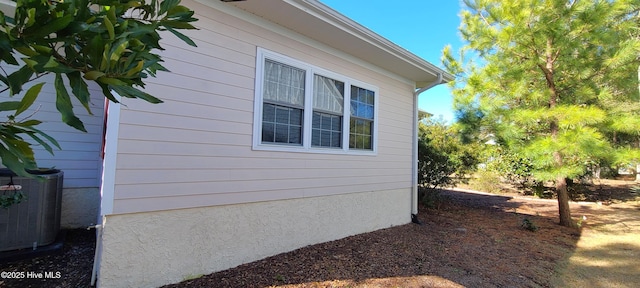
[561, 181]
[563, 203]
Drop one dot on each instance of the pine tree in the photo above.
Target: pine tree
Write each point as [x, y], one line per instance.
[550, 76]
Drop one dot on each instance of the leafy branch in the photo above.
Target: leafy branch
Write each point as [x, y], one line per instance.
[108, 42]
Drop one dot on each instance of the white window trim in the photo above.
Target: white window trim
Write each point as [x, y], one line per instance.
[306, 147]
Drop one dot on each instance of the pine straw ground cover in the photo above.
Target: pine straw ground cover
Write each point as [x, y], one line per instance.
[472, 240]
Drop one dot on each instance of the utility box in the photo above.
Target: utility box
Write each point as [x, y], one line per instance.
[35, 221]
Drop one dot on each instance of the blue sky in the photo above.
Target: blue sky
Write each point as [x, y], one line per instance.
[420, 26]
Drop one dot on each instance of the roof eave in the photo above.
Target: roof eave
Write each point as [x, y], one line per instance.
[322, 23]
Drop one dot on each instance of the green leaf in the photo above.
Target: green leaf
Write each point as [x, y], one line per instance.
[130, 92]
[13, 162]
[111, 14]
[176, 24]
[47, 137]
[117, 50]
[42, 143]
[44, 29]
[179, 11]
[182, 37]
[5, 55]
[104, 62]
[22, 150]
[111, 81]
[107, 93]
[93, 75]
[4, 80]
[29, 98]
[25, 50]
[80, 89]
[30, 62]
[28, 123]
[64, 106]
[53, 65]
[110, 30]
[10, 105]
[42, 49]
[18, 78]
[136, 69]
[167, 5]
[94, 50]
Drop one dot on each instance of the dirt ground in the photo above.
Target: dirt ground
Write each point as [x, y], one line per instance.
[471, 240]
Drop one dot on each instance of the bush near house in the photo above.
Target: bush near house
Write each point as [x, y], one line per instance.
[443, 160]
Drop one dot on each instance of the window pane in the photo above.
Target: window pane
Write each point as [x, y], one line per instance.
[283, 83]
[285, 126]
[315, 138]
[326, 121]
[354, 93]
[362, 102]
[295, 117]
[369, 97]
[282, 133]
[336, 139]
[336, 124]
[269, 113]
[366, 144]
[282, 115]
[325, 139]
[317, 119]
[268, 132]
[328, 94]
[366, 128]
[326, 130]
[295, 134]
[360, 136]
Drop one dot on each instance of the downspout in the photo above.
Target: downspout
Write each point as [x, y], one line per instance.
[414, 168]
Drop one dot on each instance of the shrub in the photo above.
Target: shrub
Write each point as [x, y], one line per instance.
[529, 225]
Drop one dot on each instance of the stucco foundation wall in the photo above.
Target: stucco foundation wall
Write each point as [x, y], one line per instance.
[157, 248]
[80, 207]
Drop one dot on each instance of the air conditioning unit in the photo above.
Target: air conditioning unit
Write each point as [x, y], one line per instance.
[35, 221]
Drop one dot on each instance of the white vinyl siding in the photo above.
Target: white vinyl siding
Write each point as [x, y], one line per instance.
[196, 148]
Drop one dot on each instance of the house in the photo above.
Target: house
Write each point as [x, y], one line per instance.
[289, 125]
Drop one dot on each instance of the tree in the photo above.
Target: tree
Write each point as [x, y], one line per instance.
[545, 74]
[441, 154]
[108, 42]
[435, 165]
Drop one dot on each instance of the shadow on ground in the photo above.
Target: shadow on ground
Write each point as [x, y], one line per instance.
[608, 251]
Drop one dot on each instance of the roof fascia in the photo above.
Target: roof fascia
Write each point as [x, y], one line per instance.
[337, 19]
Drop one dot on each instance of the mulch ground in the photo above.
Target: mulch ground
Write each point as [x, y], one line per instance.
[73, 265]
[471, 240]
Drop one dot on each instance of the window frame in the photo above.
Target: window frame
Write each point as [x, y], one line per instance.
[308, 110]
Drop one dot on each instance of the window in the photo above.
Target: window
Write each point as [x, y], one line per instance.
[361, 126]
[300, 107]
[328, 110]
[283, 103]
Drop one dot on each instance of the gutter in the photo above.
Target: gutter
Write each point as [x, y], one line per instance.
[414, 167]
